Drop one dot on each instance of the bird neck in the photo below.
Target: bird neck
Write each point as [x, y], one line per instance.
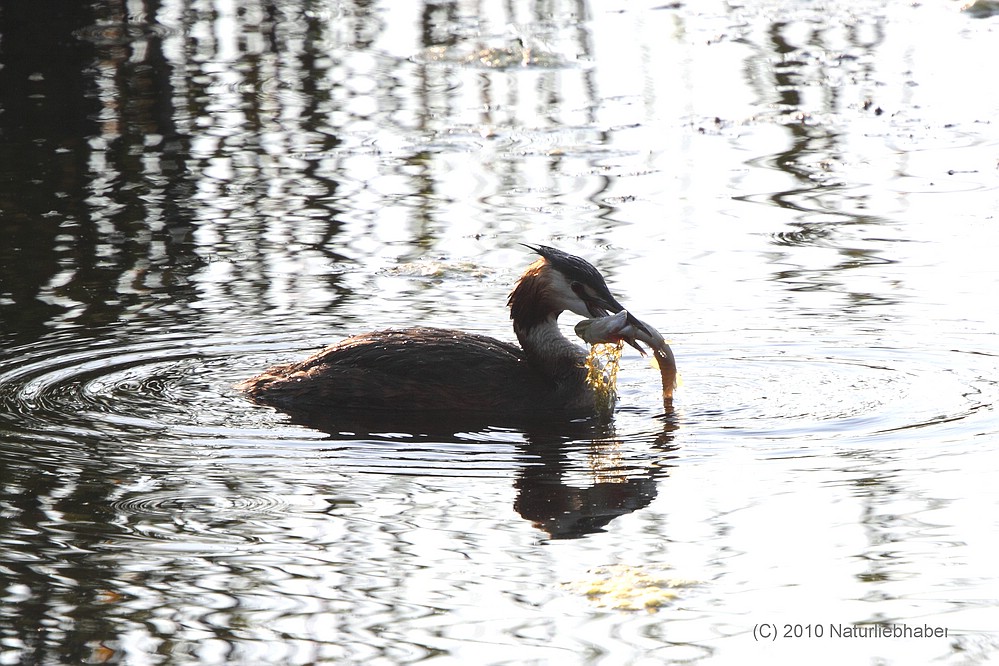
[535, 321]
[529, 300]
[551, 353]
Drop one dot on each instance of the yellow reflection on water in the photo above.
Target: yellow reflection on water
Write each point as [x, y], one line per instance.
[625, 587]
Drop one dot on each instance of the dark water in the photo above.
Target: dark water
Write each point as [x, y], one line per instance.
[801, 196]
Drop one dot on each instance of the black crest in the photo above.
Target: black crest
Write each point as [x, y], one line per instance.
[573, 267]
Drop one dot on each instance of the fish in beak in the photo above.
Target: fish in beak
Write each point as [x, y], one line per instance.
[625, 327]
[620, 327]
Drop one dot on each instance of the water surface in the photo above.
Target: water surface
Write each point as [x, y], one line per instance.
[800, 196]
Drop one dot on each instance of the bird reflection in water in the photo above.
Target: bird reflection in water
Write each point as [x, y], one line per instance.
[567, 500]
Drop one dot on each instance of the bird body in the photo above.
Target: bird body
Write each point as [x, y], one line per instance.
[423, 370]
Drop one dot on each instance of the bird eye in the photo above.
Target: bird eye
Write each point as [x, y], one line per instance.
[578, 289]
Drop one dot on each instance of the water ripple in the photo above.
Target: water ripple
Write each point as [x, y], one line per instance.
[98, 387]
[835, 393]
[164, 503]
[192, 518]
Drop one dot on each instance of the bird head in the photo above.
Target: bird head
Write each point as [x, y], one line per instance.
[574, 284]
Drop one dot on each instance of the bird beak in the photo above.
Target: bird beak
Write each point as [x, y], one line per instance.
[603, 305]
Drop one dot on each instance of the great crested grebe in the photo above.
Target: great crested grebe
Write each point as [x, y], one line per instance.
[448, 372]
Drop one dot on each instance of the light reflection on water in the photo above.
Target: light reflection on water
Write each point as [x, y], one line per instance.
[802, 198]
